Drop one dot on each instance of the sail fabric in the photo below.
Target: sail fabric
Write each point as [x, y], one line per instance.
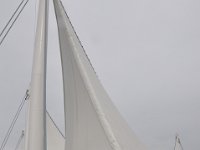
[36, 126]
[55, 139]
[91, 120]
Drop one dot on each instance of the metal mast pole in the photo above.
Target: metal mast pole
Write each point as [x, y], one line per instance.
[35, 138]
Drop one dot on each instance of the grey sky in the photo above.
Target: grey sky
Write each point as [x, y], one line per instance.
[146, 54]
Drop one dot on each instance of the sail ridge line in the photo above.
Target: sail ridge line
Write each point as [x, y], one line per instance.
[76, 35]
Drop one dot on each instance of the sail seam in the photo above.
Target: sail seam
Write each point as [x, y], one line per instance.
[77, 37]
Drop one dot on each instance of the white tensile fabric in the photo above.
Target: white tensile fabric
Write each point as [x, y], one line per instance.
[91, 120]
[36, 126]
[55, 139]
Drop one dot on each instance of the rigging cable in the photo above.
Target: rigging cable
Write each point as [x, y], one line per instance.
[14, 120]
[13, 22]
[11, 18]
[20, 140]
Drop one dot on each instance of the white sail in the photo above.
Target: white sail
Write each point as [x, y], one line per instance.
[35, 138]
[91, 120]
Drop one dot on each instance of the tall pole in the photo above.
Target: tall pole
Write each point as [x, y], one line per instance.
[35, 138]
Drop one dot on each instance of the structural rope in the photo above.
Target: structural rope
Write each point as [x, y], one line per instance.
[11, 18]
[3, 38]
[20, 140]
[14, 121]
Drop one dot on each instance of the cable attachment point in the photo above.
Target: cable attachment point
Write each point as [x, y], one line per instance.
[23, 132]
[27, 95]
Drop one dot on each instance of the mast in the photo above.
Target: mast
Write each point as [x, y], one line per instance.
[35, 138]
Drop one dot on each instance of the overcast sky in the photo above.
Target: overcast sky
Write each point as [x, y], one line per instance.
[145, 52]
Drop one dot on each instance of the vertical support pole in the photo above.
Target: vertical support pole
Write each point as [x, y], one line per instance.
[35, 138]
